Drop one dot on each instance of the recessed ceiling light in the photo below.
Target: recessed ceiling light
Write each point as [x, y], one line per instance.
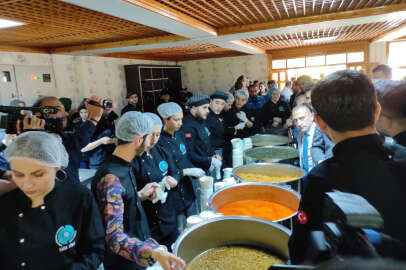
[316, 40]
[7, 23]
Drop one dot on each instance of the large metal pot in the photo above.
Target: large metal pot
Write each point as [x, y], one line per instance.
[269, 140]
[270, 169]
[222, 231]
[256, 191]
[284, 154]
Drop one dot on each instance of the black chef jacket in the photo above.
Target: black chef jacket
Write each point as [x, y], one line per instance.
[400, 138]
[215, 124]
[364, 166]
[129, 108]
[197, 136]
[135, 221]
[270, 110]
[74, 142]
[66, 232]
[161, 217]
[230, 121]
[176, 146]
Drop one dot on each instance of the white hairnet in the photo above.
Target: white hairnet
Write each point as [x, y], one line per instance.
[133, 124]
[230, 97]
[156, 121]
[41, 146]
[241, 93]
[168, 109]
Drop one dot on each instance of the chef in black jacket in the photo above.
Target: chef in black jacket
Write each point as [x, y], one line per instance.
[128, 242]
[46, 224]
[236, 125]
[197, 135]
[392, 121]
[132, 103]
[154, 166]
[346, 110]
[215, 122]
[173, 141]
[273, 115]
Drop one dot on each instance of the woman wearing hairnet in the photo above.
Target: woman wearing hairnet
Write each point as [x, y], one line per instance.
[173, 141]
[129, 245]
[156, 165]
[46, 224]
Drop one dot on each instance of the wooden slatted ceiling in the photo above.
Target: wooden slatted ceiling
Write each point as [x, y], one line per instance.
[224, 13]
[343, 34]
[182, 53]
[53, 23]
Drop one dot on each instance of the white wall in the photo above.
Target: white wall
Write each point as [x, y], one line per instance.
[377, 53]
[221, 73]
[78, 77]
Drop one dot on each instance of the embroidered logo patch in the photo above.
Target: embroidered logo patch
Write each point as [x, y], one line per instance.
[302, 217]
[163, 165]
[281, 108]
[207, 131]
[182, 148]
[65, 237]
[188, 135]
[222, 119]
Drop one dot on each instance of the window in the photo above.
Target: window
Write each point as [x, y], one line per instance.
[277, 64]
[336, 59]
[397, 59]
[355, 57]
[396, 54]
[282, 76]
[275, 76]
[292, 73]
[296, 62]
[315, 60]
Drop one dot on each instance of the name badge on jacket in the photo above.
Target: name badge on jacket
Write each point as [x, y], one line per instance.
[182, 148]
[65, 237]
[163, 166]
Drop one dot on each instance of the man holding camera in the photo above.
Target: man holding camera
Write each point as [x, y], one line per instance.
[73, 141]
[346, 109]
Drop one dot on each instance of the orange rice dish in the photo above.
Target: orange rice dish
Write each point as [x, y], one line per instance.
[256, 208]
[254, 177]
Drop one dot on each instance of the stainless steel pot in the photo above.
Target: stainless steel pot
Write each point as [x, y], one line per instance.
[269, 140]
[222, 231]
[270, 154]
[271, 169]
[256, 191]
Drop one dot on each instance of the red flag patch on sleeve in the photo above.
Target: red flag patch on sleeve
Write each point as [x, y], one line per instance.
[302, 217]
[188, 135]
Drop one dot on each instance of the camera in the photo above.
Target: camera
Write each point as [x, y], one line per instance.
[106, 104]
[9, 121]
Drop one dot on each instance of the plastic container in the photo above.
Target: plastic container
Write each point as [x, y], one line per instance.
[238, 158]
[227, 172]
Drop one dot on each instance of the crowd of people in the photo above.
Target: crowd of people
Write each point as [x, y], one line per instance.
[148, 165]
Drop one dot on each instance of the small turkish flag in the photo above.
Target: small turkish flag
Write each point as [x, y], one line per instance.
[188, 135]
[302, 217]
